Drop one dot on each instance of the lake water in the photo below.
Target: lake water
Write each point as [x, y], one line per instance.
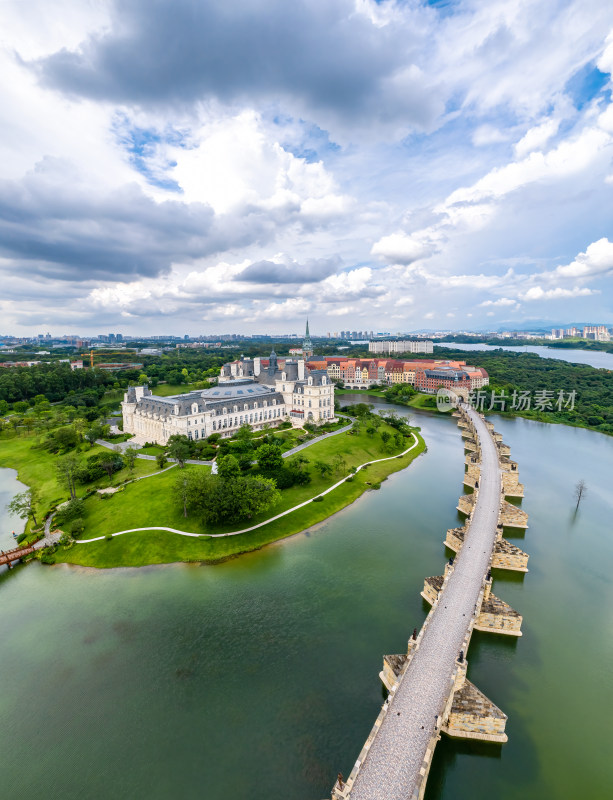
[258, 678]
[593, 358]
[9, 487]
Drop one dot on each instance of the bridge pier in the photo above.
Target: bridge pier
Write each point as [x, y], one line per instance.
[505, 556]
[396, 757]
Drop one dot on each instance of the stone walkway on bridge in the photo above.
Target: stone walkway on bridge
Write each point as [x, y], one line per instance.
[394, 765]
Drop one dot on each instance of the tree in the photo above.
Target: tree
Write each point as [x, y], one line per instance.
[371, 431]
[130, 454]
[65, 438]
[298, 462]
[178, 448]
[93, 433]
[228, 467]
[108, 465]
[324, 469]
[244, 433]
[269, 457]
[29, 421]
[67, 473]
[20, 407]
[77, 526]
[161, 460]
[258, 494]
[22, 505]
[580, 492]
[362, 409]
[182, 487]
[339, 464]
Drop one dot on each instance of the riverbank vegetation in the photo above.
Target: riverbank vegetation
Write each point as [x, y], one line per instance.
[544, 380]
[192, 500]
[527, 372]
[571, 343]
[59, 459]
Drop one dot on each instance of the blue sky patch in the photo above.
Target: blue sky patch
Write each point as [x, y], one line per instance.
[585, 84]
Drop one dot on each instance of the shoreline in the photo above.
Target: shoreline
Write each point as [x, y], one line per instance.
[502, 414]
[354, 490]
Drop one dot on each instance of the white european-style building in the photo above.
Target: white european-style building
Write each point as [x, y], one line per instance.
[246, 394]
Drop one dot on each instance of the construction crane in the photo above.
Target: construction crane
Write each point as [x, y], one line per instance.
[91, 359]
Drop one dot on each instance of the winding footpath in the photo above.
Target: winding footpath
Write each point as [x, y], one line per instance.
[391, 770]
[266, 521]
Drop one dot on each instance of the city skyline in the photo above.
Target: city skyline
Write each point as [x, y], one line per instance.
[442, 166]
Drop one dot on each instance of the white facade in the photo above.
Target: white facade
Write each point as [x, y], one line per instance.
[407, 346]
[224, 408]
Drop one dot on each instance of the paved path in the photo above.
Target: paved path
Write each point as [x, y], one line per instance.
[266, 521]
[302, 446]
[123, 446]
[391, 768]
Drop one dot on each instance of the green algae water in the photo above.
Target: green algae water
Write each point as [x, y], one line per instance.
[258, 678]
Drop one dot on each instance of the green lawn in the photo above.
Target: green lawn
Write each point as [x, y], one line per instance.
[149, 503]
[425, 401]
[151, 450]
[37, 468]
[373, 390]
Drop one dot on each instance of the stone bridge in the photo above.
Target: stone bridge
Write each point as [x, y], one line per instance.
[428, 691]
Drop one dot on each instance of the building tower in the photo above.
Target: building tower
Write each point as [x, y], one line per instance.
[272, 363]
[307, 344]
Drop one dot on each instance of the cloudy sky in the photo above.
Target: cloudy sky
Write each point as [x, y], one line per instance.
[205, 166]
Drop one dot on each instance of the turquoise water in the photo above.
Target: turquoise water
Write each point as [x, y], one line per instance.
[258, 678]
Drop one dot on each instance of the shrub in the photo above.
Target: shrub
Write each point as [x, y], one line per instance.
[318, 499]
[109, 537]
[47, 558]
[349, 479]
[72, 510]
[352, 469]
[376, 486]
[77, 526]
[21, 537]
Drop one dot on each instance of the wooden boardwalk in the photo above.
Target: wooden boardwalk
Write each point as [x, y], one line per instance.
[8, 556]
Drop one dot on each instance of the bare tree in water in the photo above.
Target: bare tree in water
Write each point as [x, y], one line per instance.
[580, 491]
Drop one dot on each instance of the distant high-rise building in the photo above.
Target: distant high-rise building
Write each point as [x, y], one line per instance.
[422, 346]
[597, 332]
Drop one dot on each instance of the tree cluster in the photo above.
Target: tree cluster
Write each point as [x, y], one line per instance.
[228, 496]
